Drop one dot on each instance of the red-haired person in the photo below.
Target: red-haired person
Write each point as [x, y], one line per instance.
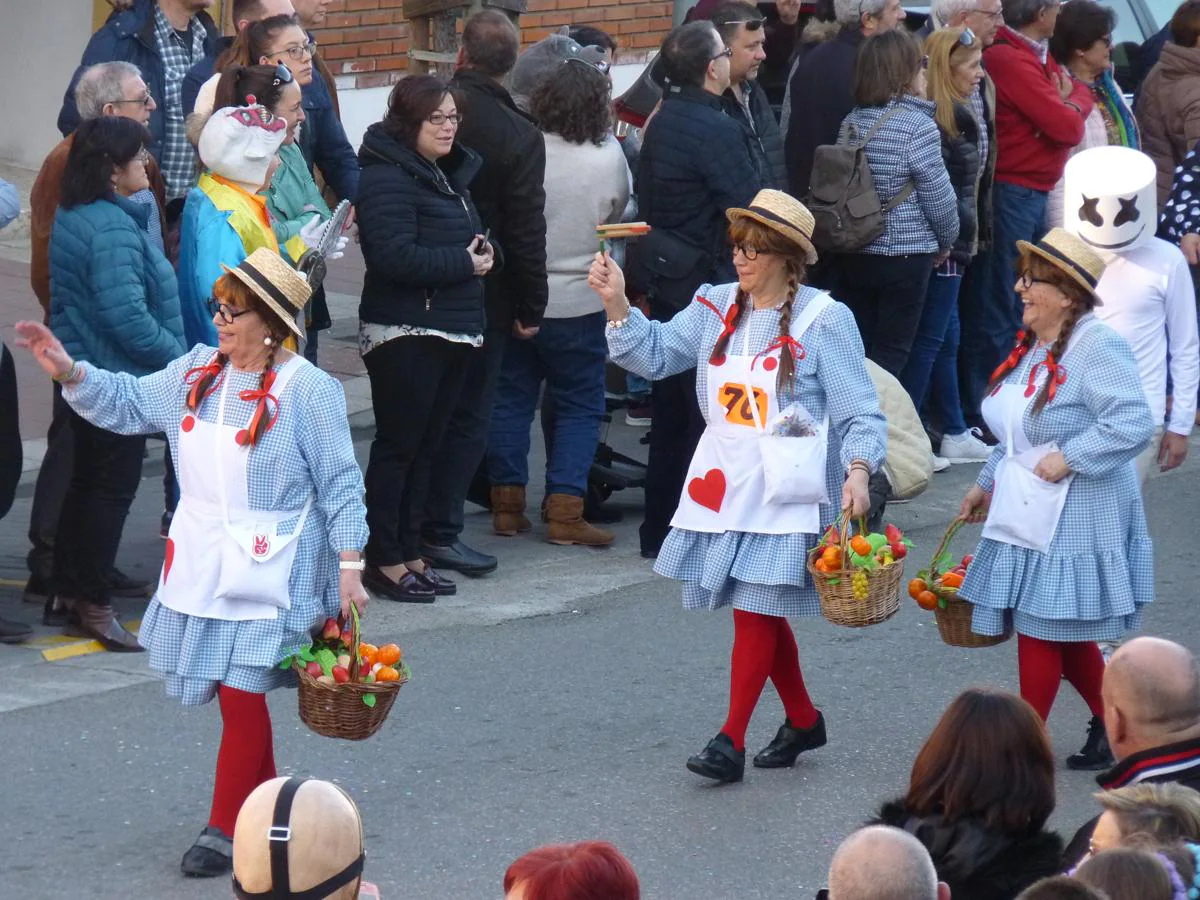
[981, 790]
[588, 870]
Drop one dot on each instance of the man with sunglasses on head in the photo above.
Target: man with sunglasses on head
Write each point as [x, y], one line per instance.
[163, 38]
[105, 89]
[740, 25]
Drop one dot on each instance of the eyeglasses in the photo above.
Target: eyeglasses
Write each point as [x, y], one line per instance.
[283, 75]
[144, 100]
[224, 310]
[1026, 280]
[727, 52]
[440, 118]
[299, 51]
[993, 14]
[751, 24]
[748, 251]
[143, 156]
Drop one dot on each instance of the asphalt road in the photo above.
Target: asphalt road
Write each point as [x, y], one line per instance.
[554, 701]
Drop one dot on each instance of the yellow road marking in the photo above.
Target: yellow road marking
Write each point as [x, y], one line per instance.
[12, 582]
[60, 647]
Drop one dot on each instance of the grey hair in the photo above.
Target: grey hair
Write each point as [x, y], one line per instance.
[850, 12]
[945, 10]
[101, 84]
[1019, 13]
[882, 863]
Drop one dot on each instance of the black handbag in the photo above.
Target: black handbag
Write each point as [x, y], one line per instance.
[666, 268]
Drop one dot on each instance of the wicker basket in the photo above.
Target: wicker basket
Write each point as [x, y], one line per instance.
[836, 593]
[338, 710]
[954, 624]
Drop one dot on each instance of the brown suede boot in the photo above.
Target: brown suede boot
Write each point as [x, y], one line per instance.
[508, 510]
[567, 526]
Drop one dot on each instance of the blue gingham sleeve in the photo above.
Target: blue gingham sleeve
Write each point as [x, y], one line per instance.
[1122, 424]
[987, 475]
[934, 192]
[655, 350]
[852, 402]
[328, 449]
[126, 404]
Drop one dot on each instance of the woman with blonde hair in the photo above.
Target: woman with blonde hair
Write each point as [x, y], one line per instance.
[955, 69]
[1160, 814]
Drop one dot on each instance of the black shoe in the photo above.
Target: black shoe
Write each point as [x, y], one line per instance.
[719, 761]
[55, 613]
[99, 622]
[458, 557]
[38, 589]
[14, 632]
[1096, 755]
[409, 589]
[121, 585]
[442, 586]
[789, 743]
[211, 855]
[647, 553]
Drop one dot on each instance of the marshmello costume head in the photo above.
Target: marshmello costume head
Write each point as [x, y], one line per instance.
[1109, 200]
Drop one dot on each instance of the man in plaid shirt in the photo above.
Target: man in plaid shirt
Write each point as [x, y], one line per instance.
[163, 38]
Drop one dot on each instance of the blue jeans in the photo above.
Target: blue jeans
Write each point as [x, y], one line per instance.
[637, 387]
[568, 355]
[990, 308]
[931, 372]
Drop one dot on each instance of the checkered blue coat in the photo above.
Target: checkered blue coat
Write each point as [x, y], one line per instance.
[762, 573]
[308, 450]
[907, 148]
[1099, 571]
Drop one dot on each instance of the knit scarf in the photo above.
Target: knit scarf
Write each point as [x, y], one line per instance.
[1118, 120]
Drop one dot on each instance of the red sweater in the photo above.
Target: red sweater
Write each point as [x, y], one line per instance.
[1035, 128]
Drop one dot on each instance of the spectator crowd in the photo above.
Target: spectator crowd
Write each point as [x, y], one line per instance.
[951, 185]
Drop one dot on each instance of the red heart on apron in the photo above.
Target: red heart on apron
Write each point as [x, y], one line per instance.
[168, 559]
[708, 491]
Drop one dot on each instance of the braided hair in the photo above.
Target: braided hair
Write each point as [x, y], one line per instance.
[228, 289]
[1081, 304]
[752, 233]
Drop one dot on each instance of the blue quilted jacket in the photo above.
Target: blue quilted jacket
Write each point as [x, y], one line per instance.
[114, 301]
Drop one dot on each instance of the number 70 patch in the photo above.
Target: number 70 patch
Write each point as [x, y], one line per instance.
[732, 396]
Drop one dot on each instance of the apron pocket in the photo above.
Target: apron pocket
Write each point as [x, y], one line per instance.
[1025, 509]
[794, 469]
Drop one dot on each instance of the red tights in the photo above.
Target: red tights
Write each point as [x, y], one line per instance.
[1043, 664]
[246, 758]
[764, 647]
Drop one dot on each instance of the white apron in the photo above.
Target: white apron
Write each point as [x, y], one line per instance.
[224, 561]
[725, 488]
[1025, 509]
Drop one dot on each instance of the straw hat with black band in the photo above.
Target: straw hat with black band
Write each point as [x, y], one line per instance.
[784, 214]
[1072, 257]
[277, 284]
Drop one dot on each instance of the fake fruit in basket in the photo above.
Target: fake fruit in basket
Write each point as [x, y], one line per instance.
[865, 553]
[937, 585]
[927, 599]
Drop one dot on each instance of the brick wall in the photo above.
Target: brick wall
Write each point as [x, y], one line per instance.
[367, 40]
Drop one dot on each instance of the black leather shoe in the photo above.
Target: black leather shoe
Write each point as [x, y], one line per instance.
[211, 856]
[789, 743]
[719, 761]
[1096, 755]
[14, 632]
[458, 557]
[409, 589]
[442, 586]
[119, 584]
[97, 621]
[55, 613]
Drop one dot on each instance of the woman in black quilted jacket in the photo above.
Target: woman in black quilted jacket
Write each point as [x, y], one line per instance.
[421, 315]
[931, 373]
[982, 788]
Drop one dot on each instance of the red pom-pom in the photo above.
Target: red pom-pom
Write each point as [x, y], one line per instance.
[243, 437]
[770, 363]
[188, 423]
[719, 360]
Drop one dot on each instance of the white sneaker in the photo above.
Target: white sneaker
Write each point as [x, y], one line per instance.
[965, 447]
[940, 463]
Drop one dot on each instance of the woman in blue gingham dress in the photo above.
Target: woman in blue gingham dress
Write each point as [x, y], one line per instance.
[305, 451]
[1098, 573]
[762, 576]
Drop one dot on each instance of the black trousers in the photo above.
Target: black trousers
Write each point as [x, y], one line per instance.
[415, 384]
[50, 490]
[886, 295]
[675, 431]
[104, 479]
[10, 432]
[464, 445]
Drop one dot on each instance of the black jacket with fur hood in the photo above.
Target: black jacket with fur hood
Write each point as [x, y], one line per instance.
[976, 862]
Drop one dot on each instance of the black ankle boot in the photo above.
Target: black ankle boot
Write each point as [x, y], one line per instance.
[719, 761]
[789, 743]
[1096, 754]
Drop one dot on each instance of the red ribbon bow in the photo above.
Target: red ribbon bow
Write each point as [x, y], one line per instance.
[1057, 375]
[729, 318]
[1013, 359]
[268, 405]
[194, 376]
[784, 340]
